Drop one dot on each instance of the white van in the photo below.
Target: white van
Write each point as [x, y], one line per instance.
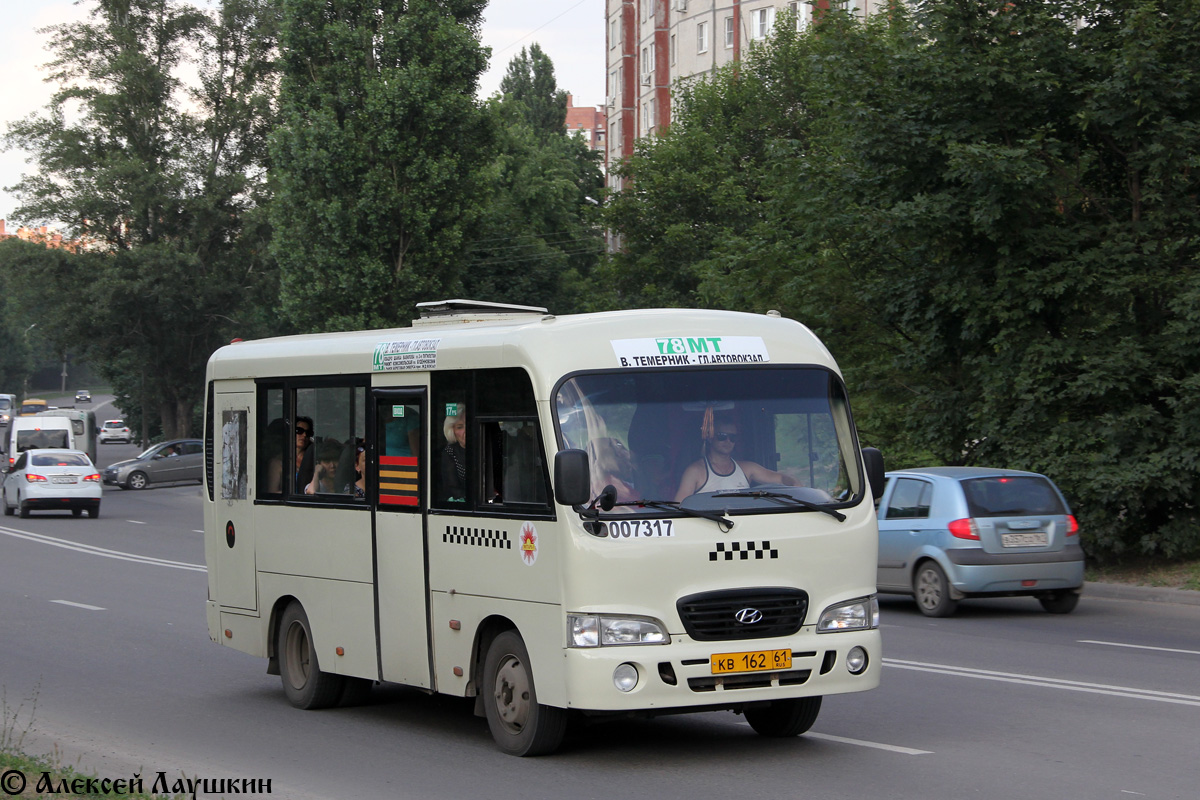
[39, 432]
[8, 408]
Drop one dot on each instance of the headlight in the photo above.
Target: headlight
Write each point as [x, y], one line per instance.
[853, 615]
[593, 630]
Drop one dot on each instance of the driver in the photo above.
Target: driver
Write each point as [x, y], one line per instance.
[718, 471]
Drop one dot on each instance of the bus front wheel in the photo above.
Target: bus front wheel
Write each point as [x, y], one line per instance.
[520, 724]
[305, 685]
[784, 718]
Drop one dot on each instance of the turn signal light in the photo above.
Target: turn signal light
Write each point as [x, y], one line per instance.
[963, 529]
[1072, 525]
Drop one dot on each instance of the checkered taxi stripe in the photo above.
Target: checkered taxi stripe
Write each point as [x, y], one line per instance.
[743, 550]
[476, 537]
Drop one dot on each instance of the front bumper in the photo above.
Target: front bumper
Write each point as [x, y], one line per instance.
[677, 677]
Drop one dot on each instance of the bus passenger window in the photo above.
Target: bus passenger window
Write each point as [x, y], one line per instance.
[337, 415]
[452, 470]
[515, 471]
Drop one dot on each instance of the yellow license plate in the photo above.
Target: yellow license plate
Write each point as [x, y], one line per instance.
[756, 661]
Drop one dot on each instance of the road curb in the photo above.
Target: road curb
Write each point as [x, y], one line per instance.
[1146, 594]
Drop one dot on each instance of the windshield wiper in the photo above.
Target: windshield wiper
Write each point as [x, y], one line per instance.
[784, 499]
[724, 522]
[607, 501]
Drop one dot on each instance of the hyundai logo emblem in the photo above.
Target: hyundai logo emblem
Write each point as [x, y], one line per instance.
[748, 616]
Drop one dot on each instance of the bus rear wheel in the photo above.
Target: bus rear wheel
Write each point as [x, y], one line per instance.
[305, 685]
[784, 718]
[520, 724]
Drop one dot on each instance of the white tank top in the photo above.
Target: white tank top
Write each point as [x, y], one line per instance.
[716, 482]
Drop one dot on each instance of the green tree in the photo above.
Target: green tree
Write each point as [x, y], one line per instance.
[377, 161]
[989, 211]
[163, 198]
[530, 80]
[539, 236]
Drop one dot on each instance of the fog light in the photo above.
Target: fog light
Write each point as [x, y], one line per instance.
[625, 677]
[856, 660]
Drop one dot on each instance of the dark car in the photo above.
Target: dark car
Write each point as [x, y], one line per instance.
[166, 462]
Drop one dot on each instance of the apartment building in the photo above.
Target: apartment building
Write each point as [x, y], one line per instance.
[652, 44]
[586, 122]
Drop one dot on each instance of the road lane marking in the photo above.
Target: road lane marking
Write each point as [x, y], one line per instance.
[829, 737]
[135, 522]
[1046, 683]
[891, 748]
[78, 605]
[100, 551]
[1141, 647]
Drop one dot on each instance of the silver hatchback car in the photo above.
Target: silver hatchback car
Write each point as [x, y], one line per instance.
[166, 462]
[946, 533]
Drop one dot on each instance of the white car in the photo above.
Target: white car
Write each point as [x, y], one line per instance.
[115, 430]
[53, 480]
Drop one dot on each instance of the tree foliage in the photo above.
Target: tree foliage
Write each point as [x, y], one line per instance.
[377, 161]
[539, 235]
[162, 184]
[530, 80]
[989, 210]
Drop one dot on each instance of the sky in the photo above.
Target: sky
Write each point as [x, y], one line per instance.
[571, 32]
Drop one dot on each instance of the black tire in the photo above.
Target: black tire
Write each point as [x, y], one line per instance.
[24, 509]
[520, 724]
[137, 480]
[784, 718]
[305, 685]
[77, 512]
[931, 590]
[8, 510]
[1060, 602]
[93, 512]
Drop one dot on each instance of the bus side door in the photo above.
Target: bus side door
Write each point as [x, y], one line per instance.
[397, 478]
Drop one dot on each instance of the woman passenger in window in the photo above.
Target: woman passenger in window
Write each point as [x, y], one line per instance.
[454, 457]
[304, 440]
[324, 479]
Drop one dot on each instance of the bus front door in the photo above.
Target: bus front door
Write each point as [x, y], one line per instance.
[401, 553]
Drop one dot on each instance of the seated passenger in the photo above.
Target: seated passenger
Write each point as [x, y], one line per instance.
[454, 458]
[718, 471]
[325, 472]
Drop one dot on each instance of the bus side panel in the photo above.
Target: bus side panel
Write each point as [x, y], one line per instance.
[333, 543]
[247, 632]
[503, 558]
[340, 614]
[484, 567]
[541, 625]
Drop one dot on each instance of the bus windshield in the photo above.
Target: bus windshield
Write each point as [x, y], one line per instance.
[738, 439]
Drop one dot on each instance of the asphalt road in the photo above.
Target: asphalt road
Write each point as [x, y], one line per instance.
[102, 624]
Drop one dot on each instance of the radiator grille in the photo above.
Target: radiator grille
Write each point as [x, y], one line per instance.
[712, 616]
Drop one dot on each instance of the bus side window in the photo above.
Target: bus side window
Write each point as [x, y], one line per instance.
[272, 443]
[398, 429]
[515, 471]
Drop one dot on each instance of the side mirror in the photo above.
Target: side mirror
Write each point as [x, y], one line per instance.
[873, 464]
[572, 481]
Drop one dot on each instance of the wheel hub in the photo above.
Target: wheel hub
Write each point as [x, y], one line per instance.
[512, 693]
